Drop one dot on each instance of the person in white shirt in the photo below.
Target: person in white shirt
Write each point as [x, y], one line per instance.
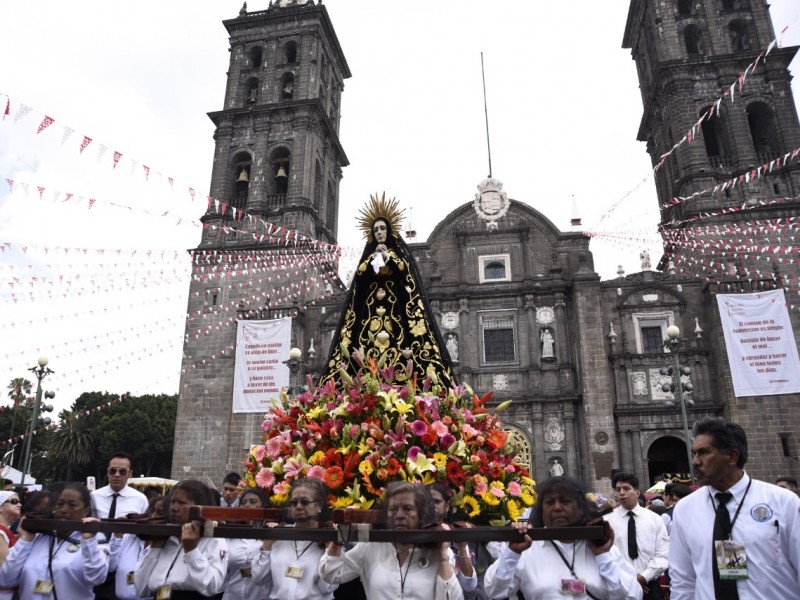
[549, 570]
[761, 517]
[127, 499]
[126, 551]
[171, 567]
[397, 570]
[231, 488]
[46, 567]
[114, 500]
[240, 583]
[290, 569]
[640, 535]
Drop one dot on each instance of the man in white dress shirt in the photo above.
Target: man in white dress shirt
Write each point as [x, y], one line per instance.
[231, 490]
[762, 523]
[640, 535]
[115, 500]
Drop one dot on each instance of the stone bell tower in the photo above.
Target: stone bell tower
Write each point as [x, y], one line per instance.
[272, 210]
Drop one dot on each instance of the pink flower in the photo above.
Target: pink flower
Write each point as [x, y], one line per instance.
[354, 429]
[497, 492]
[514, 488]
[260, 453]
[265, 478]
[282, 487]
[440, 428]
[419, 428]
[480, 487]
[469, 430]
[413, 452]
[293, 467]
[447, 440]
[273, 447]
[315, 472]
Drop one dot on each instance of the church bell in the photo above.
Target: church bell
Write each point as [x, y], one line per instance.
[281, 174]
[243, 176]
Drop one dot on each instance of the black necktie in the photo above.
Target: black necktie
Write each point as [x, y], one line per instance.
[113, 510]
[633, 547]
[723, 588]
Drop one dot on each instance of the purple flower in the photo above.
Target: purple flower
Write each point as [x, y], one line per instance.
[419, 428]
[447, 440]
[413, 452]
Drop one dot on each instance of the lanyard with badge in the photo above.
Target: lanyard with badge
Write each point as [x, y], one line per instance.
[295, 571]
[47, 587]
[165, 591]
[731, 555]
[576, 585]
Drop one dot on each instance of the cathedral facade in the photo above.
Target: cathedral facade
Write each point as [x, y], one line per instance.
[518, 302]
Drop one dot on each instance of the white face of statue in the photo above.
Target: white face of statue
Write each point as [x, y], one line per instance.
[380, 231]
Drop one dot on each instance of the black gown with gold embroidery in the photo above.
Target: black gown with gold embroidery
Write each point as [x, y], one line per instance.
[388, 312]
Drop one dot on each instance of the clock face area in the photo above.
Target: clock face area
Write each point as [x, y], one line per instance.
[545, 315]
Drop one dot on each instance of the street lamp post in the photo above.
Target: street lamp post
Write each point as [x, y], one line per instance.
[674, 344]
[40, 372]
[294, 363]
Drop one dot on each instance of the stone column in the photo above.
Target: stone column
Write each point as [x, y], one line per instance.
[540, 462]
[570, 442]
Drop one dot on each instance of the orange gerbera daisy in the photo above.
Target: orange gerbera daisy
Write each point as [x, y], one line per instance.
[333, 477]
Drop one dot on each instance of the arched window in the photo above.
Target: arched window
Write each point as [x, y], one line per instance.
[694, 40]
[763, 130]
[731, 4]
[287, 86]
[255, 57]
[713, 138]
[319, 187]
[240, 176]
[280, 162]
[290, 52]
[685, 7]
[494, 270]
[251, 91]
[330, 210]
[739, 36]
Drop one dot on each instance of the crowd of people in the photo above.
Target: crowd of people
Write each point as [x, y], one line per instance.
[734, 537]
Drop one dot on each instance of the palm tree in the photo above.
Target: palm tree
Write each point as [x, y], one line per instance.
[19, 391]
[72, 444]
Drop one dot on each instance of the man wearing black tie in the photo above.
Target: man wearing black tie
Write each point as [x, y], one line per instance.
[115, 500]
[736, 538]
[640, 535]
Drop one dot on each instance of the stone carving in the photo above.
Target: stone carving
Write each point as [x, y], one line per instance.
[545, 315]
[554, 434]
[491, 203]
[639, 383]
[566, 378]
[657, 380]
[601, 438]
[556, 470]
[547, 343]
[646, 264]
[500, 381]
[452, 346]
[450, 320]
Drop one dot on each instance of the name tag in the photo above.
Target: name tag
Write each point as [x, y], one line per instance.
[731, 558]
[295, 572]
[573, 587]
[246, 572]
[43, 587]
[164, 592]
[130, 578]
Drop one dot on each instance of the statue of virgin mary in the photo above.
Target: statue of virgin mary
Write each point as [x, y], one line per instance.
[387, 316]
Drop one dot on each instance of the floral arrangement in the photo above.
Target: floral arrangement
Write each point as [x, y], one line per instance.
[364, 432]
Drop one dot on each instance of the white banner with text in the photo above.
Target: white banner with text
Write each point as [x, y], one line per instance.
[259, 372]
[762, 351]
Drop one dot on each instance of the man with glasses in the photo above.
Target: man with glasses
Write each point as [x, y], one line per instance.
[117, 499]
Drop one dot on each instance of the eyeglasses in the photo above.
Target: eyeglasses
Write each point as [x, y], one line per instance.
[114, 470]
[12, 501]
[302, 502]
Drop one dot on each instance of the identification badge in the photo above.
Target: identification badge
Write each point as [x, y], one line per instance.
[573, 587]
[246, 572]
[43, 587]
[130, 578]
[731, 559]
[295, 572]
[72, 548]
[164, 592]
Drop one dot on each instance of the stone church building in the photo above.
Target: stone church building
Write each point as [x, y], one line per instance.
[519, 303]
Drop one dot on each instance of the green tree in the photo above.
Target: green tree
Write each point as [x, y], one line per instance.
[71, 446]
[14, 420]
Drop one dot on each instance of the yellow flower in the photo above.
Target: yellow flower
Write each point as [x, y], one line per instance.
[315, 413]
[428, 478]
[419, 465]
[317, 458]
[471, 506]
[490, 498]
[528, 497]
[514, 510]
[440, 459]
[527, 481]
[342, 502]
[498, 485]
[278, 499]
[366, 468]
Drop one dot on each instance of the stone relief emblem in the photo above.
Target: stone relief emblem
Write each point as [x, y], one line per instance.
[450, 320]
[500, 381]
[491, 203]
[639, 384]
[553, 434]
[657, 380]
[545, 315]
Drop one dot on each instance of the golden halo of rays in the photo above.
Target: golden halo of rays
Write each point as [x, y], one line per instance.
[380, 208]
